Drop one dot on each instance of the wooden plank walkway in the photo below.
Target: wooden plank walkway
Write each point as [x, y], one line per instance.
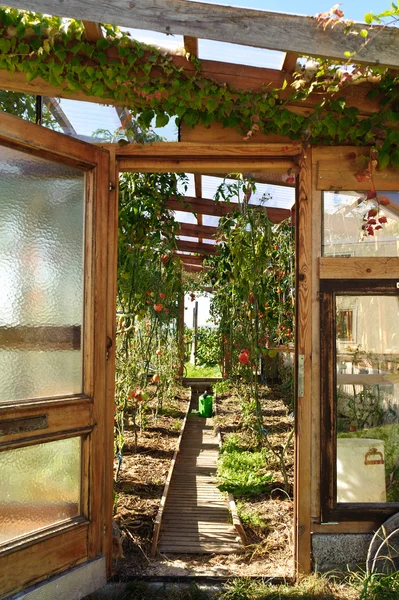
[196, 518]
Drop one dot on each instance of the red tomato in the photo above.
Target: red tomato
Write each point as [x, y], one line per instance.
[158, 307]
[244, 357]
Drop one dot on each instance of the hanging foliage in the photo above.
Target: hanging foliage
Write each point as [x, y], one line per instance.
[151, 85]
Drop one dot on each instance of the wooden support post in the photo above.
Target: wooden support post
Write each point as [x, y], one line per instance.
[180, 334]
[303, 362]
[108, 442]
[195, 326]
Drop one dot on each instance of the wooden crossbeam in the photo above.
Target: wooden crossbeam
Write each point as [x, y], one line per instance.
[239, 76]
[220, 209]
[191, 45]
[43, 337]
[93, 31]
[290, 62]
[190, 259]
[262, 29]
[196, 247]
[194, 268]
[55, 109]
[198, 231]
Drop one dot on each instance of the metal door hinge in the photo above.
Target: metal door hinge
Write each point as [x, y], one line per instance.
[111, 186]
[301, 375]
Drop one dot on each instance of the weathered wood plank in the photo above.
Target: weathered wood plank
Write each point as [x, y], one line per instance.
[196, 247]
[187, 259]
[204, 206]
[161, 510]
[44, 337]
[336, 169]
[263, 29]
[196, 516]
[303, 432]
[359, 268]
[197, 150]
[202, 165]
[194, 230]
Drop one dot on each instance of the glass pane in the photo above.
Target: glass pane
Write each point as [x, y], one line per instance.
[41, 274]
[367, 342]
[355, 226]
[40, 486]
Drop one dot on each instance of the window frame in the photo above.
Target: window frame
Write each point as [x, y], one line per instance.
[333, 511]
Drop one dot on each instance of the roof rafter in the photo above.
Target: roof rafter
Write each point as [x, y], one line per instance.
[262, 29]
[220, 209]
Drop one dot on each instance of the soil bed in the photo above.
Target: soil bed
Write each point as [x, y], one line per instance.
[140, 488]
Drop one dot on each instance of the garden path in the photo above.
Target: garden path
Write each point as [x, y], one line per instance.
[196, 519]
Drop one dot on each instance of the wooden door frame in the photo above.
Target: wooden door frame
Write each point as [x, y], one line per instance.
[68, 541]
[278, 158]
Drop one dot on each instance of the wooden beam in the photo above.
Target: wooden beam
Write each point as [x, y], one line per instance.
[193, 268]
[370, 267]
[45, 337]
[220, 209]
[178, 150]
[196, 247]
[55, 109]
[189, 259]
[198, 194]
[191, 45]
[93, 31]
[337, 167]
[303, 372]
[289, 63]
[210, 165]
[238, 76]
[280, 179]
[198, 231]
[262, 29]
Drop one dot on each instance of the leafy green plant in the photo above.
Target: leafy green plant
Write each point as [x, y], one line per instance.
[251, 517]
[208, 347]
[242, 472]
[314, 587]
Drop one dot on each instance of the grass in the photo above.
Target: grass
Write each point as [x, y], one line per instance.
[251, 518]
[354, 586]
[313, 587]
[201, 371]
[242, 472]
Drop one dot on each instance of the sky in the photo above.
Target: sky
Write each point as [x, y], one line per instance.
[353, 9]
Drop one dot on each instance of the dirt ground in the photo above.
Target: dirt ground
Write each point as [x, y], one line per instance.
[140, 488]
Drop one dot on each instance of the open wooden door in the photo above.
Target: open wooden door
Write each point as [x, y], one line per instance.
[55, 420]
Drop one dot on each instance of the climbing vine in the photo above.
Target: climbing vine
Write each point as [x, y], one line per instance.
[152, 86]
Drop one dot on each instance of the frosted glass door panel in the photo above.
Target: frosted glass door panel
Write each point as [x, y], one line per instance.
[41, 277]
[40, 486]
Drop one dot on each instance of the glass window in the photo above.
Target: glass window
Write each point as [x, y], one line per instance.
[355, 226]
[40, 486]
[41, 275]
[367, 359]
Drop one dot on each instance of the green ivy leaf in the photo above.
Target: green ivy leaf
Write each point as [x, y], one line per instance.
[162, 120]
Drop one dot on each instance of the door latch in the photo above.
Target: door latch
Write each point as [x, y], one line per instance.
[109, 346]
